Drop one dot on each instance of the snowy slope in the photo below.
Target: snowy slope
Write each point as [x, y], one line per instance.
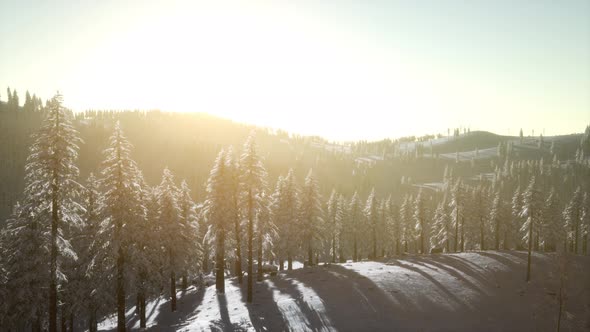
[467, 292]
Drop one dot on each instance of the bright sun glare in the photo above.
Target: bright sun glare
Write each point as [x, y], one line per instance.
[272, 69]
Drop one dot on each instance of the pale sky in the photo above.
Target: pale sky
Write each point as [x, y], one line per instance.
[340, 69]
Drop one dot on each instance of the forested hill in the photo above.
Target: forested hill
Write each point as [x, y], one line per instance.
[188, 142]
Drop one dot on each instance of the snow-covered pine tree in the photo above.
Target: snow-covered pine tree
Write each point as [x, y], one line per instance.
[252, 187]
[147, 258]
[51, 175]
[372, 217]
[531, 211]
[341, 221]
[498, 219]
[480, 213]
[234, 192]
[382, 234]
[266, 232]
[172, 231]
[442, 227]
[572, 215]
[585, 223]
[189, 218]
[121, 209]
[551, 226]
[457, 207]
[84, 294]
[217, 207]
[394, 228]
[311, 214]
[406, 218]
[355, 213]
[285, 211]
[90, 286]
[420, 221]
[331, 214]
[516, 219]
[26, 242]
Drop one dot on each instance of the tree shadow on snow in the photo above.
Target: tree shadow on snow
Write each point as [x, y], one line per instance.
[187, 304]
[263, 311]
[224, 324]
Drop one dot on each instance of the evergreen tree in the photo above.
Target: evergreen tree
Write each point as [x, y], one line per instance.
[266, 232]
[252, 185]
[331, 215]
[28, 106]
[51, 175]
[572, 215]
[371, 215]
[516, 208]
[189, 218]
[122, 209]
[216, 205]
[497, 219]
[480, 213]
[285, 211]
[26, 241]
[341, 220]
[406, 218]
[456, 204]
[551, 225]
[419, 220]
[88, 280]
[442, 226]
[172, 231]
[531, 211]
[355, 217]
[233, 175]
[311, 219]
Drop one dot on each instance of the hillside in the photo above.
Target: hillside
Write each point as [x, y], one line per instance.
[483, 291]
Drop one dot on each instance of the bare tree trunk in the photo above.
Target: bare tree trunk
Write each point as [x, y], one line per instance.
[53, 263]
[289, 261]
[259, 274]
[120, 291]
[172, 290]
[309, 252]
[141, 300]
[250, 244]
[462, 234]
[481, 234]
[456, 229]
[333, 248]
[220, 264]
[355, 253]
[64, 326]
[528, 265]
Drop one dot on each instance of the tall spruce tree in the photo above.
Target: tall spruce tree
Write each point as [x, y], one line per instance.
[420, 221]
[172, 231]
[371, 215]
[216, 207]
[51, 175]
[531, 211]
[252, 186]
[122, 210]
[355, 213]
[312, 214]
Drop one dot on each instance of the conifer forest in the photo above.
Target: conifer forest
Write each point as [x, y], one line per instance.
[294, 166]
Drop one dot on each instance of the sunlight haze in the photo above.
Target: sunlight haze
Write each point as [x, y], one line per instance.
[343, 70]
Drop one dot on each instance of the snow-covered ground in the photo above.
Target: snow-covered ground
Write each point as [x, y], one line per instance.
[483, 291]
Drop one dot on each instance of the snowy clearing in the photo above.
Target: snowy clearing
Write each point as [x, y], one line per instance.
[483, 291]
